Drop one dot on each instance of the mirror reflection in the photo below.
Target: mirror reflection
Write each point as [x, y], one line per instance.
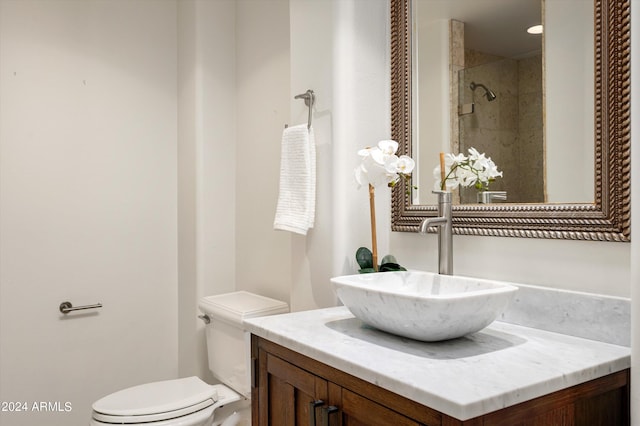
[481, 80]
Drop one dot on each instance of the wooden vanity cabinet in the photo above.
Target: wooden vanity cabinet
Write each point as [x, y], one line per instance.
[287, 385]
[290, 389]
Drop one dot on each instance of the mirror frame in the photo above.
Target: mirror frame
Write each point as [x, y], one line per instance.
[608, 218]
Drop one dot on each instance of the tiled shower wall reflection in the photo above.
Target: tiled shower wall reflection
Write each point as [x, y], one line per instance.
[509, 129]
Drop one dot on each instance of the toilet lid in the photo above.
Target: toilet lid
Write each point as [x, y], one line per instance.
[235, 307]
[156, 401]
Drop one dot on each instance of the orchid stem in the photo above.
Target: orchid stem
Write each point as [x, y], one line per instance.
[374, 242]
[443, 184]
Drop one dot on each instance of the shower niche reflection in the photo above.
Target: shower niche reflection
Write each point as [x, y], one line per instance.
[500, 112]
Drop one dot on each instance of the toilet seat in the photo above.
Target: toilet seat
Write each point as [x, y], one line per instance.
[158, 418]
[155, 402]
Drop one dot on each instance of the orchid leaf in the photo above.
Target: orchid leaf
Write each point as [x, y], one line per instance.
[388, 267]
[364, 257]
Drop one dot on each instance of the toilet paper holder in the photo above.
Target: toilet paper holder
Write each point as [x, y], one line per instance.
[66, 307]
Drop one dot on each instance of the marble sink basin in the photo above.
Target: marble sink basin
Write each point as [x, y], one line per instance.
[423, 305]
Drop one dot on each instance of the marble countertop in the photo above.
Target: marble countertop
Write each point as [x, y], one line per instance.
[500, 366]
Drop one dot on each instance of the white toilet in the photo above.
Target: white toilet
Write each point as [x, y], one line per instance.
[190, 401]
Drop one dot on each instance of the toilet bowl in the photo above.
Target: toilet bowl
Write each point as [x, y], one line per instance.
[190, 401]
[185, 402]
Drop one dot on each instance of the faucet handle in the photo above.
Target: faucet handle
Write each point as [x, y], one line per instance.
[432, 221]
[443, 196]
[485, 197]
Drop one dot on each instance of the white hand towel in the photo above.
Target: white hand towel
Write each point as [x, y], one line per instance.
[296, 207]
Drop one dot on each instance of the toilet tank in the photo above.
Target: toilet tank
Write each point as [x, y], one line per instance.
[228, 344]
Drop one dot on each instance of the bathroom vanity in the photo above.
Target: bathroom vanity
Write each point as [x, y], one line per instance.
[327, 367]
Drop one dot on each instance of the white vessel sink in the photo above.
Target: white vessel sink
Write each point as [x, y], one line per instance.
[423, 305]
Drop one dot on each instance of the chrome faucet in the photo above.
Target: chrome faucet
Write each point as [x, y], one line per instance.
[445, 232]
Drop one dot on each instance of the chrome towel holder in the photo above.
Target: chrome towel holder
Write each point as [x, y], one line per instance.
[309, 100]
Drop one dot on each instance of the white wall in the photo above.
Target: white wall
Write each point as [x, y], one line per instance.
[434, 114]
[87, 201]
[263, 96]
[312, 34]
[339, 49]
[233, 102]
[595, 267]
[206, 167]
[569, 98]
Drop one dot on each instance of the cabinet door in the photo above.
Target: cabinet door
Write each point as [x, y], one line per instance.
[599, 402]
[356, 410]
[287, 393]
[607, 408]
[560, 416]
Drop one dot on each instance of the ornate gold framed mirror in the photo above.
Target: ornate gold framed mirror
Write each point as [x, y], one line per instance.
[607, 218]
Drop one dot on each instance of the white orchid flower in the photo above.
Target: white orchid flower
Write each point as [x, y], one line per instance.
[492, 170]
[371, 172]
[364, 152]
[378, 156]
[450, 171]
[388, 147]
[380, 165]
[454, 159]
[475, 170]
[451, 179]
[467, 177]
[406, 164]
[403, 164]
[474, 154]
